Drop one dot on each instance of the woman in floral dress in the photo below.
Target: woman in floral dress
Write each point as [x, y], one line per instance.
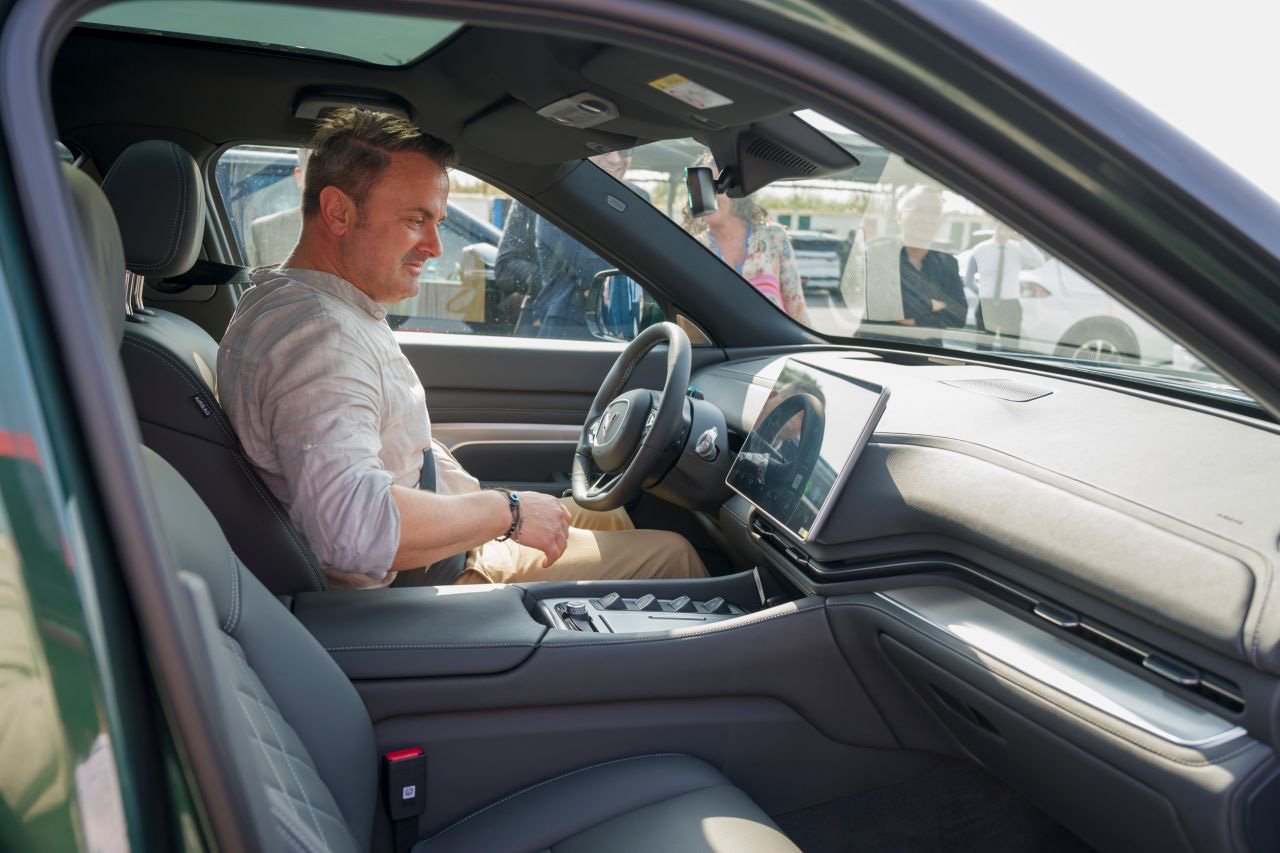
[740, 233]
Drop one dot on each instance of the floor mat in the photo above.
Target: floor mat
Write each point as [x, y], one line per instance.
[955, 807]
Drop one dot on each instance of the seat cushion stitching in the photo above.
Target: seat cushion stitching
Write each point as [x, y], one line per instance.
[180, 369]
[257, 736]
[291, 833]
[549, 781]
[288, 759]
[233, 616]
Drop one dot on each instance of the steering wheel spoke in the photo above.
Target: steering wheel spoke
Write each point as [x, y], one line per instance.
[604, 482]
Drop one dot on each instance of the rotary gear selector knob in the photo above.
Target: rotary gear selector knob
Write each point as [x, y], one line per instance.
[576, 608]
[706, 445]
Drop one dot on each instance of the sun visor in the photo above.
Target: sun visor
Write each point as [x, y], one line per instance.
[697, 99]
[515, 132]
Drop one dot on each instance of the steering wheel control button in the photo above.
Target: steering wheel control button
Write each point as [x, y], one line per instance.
[612, 601]
[576, 608]
[683, 604]
[706, 446]
[647, 602]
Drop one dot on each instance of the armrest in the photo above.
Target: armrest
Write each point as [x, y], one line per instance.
[420, 632]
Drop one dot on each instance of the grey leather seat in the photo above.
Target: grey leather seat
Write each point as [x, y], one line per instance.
[312, 740]
[171, 363]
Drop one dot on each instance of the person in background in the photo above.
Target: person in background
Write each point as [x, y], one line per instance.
[908, 281]
[996, 264]
[271, 238]
[741, 234]
[555, 271]
[932, 293]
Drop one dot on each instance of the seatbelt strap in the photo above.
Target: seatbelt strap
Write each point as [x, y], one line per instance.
[446, 571]
[405, 786]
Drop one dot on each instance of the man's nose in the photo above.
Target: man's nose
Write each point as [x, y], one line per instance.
[429, 245]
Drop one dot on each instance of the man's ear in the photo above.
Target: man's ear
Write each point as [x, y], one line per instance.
[337, 211]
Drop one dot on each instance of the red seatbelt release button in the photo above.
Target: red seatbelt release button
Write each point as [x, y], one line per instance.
[406, 782]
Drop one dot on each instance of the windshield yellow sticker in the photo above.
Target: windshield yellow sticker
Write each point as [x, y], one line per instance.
[682, 88]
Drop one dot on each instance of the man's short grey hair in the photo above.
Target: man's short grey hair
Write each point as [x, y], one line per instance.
[352, 147]
[920, 195]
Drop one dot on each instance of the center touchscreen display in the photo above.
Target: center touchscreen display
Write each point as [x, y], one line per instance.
[811, 430]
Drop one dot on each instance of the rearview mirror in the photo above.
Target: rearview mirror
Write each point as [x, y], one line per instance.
[702, 190]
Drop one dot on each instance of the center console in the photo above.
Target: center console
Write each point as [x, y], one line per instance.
[612, 613]
[430, 632]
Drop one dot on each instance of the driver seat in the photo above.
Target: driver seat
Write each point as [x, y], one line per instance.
[155, 189]
[313, 757]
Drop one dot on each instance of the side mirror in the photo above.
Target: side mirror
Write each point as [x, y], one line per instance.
[618, 308]
[702, 190]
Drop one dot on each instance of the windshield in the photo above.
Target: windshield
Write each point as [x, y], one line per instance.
[884, 252]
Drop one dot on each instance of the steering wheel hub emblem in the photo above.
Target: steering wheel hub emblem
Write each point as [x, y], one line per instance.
[608, 421]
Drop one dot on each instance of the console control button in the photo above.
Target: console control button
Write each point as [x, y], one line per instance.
[612, 601]
[683, 604]
[576, 608]
[715, 605]
[647, 602]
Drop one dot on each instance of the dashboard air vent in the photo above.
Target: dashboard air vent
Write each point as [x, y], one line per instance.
[1005, 389]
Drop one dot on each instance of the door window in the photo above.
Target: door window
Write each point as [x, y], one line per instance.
[503, 270]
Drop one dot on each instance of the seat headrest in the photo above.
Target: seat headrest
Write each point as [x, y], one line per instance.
[102, 239]
[158, 197]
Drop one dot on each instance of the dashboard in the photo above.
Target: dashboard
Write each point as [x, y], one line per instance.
[1158, 516]
[1008, 536]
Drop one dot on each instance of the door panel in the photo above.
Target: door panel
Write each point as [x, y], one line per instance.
[521, 456]
[511, 408]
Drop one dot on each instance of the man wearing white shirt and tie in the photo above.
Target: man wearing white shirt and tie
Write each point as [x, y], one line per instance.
[997, 263]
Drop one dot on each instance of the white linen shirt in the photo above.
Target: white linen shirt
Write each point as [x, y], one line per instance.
[1019, 255]
[331, 413]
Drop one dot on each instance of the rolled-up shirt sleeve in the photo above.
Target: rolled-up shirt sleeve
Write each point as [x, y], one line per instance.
[322, 406]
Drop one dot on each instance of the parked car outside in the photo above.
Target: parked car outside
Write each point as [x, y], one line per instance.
[818, 259]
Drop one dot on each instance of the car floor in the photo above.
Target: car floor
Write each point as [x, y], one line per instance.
[955, 807]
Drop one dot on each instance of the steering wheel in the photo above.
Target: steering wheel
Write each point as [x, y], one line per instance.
[625, 434]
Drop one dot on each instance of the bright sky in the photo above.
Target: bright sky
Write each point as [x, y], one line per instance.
[1209, 69]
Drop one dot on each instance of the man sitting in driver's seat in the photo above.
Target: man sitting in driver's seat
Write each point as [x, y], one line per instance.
[335, 420]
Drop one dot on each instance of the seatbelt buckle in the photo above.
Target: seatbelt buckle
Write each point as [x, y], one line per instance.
[405, 785]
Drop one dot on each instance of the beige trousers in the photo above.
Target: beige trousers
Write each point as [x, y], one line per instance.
[601, 546]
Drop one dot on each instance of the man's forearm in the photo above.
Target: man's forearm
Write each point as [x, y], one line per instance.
[435, 526]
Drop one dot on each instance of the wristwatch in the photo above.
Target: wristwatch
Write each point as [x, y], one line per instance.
[513, 503]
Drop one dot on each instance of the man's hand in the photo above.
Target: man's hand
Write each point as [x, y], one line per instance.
[938, 304]
[544, 525]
